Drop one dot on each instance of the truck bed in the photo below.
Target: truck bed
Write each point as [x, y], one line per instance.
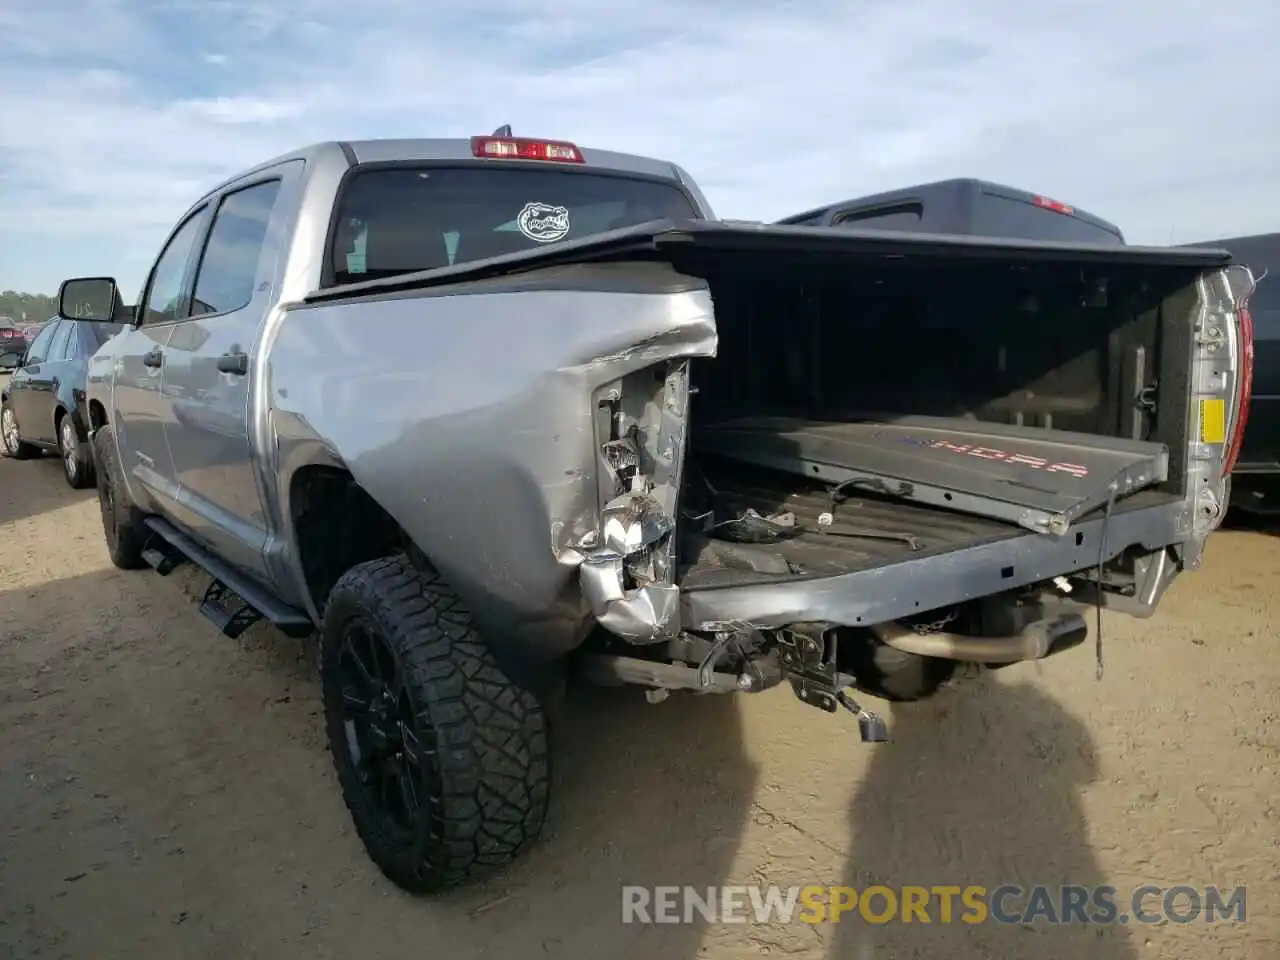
[1038, 478]
[708, 562]
[903, 489]
[712, 562]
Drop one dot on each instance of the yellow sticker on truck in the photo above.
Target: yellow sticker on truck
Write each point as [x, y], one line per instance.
[1213, 420]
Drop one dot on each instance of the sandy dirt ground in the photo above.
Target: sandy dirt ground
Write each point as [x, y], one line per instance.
[165, 792]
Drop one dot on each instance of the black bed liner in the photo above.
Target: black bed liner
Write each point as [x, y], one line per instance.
[1043, 480]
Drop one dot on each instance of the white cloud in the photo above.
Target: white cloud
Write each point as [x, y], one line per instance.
[1155, 114]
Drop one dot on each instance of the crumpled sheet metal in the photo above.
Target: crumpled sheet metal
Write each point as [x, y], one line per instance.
[648, 614]
[631, 524]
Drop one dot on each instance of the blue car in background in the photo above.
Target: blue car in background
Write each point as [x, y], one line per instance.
[42, 406]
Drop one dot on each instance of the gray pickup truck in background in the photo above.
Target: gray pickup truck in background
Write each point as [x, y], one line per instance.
[967, 206]
[484, 411]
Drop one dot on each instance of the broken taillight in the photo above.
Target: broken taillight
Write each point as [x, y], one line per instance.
[1244, 377]
[519, 148]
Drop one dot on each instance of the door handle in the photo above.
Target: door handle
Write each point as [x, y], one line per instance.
[153, 359]
[237, 363]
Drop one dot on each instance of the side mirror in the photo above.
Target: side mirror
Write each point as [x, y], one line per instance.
[88, 298]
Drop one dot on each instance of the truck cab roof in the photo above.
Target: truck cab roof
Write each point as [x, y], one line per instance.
[461, 150]
[965, 206]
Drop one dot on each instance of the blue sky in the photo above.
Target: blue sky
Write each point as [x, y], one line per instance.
[1156, 114]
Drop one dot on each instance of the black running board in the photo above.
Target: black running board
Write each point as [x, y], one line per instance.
[162, 558]
[229, 586]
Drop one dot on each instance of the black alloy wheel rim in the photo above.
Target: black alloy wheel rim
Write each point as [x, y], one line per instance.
[381, 730]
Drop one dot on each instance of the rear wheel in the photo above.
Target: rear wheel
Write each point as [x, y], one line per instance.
[77, 466]
[122, 522]
[11, 436]
[442, 760]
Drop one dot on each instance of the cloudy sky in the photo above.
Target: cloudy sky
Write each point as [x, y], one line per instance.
[1159, 115]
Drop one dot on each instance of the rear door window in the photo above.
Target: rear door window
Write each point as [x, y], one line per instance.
[401, 220]
[902, 216]
[228, 270]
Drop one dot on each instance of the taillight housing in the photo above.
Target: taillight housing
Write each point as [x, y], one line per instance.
[1055, 205]
[520, 148]
[1244, 377]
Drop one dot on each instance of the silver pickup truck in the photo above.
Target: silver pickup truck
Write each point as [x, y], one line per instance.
[486, 412]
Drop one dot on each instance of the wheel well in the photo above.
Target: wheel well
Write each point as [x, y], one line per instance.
[336, 525]
[97, 415]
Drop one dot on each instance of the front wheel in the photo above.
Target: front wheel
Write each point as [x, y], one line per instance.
[442, 759]
[77, 466]
[11, 436]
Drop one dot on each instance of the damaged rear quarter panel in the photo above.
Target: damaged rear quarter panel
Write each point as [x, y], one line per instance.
[467, 412]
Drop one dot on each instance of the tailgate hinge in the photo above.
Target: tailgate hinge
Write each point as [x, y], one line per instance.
[1146, 401]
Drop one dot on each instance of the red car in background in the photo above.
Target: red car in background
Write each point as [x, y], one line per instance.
[13, 343]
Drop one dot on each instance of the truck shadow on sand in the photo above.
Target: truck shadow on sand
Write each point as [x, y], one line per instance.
[644, 795]
[161, 747]
[980, 786]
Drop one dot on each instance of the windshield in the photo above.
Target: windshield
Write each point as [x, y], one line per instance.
[402, 220]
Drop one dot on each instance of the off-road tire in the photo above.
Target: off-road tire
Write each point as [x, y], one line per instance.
[78, 473]
[483, 739]
[122, 522]
[896, 675]
[23, 450]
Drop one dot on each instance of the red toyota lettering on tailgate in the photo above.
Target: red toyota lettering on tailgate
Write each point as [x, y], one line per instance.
[1029, 461]
[992, 453]
[1072, 468]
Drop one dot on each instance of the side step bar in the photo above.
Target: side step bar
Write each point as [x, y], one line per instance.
[229, 585]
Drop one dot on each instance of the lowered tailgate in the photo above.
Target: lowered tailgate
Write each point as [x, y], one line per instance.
[1040, 479]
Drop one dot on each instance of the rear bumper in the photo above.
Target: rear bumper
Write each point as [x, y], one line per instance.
[868, 597]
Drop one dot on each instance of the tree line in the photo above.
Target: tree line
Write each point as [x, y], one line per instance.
[36, 306]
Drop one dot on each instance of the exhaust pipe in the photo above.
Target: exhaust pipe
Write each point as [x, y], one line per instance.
[1035, 641]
